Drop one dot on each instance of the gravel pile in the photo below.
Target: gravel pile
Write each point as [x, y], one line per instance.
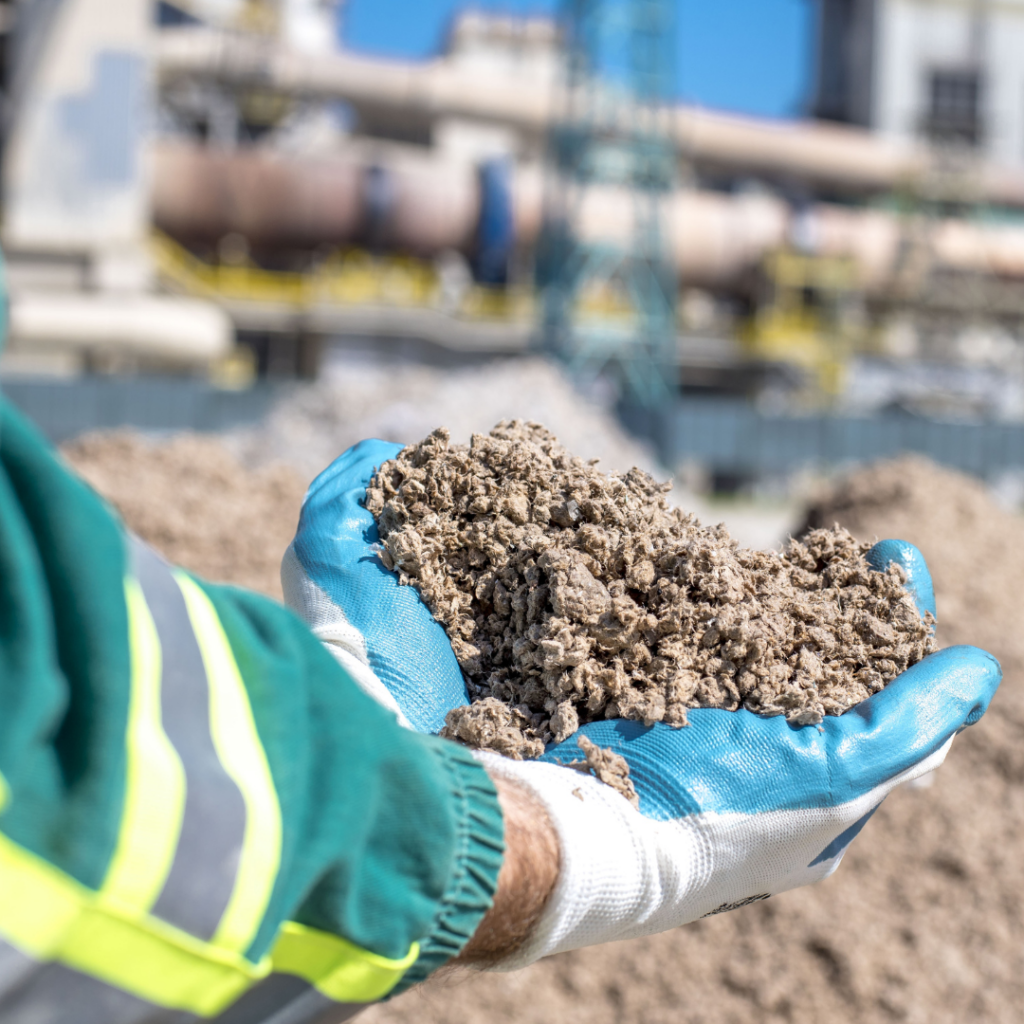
[315, 423]
[571, 595]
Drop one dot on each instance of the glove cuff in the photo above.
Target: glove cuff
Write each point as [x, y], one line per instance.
[618, 869]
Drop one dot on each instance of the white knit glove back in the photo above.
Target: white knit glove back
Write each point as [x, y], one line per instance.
[624, 875]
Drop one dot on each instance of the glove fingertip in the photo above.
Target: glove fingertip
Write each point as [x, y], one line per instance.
[351, 470]
[954, 685]
[988, 667]
[912, 562]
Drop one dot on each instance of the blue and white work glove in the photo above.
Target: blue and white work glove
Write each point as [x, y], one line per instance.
[733, 808]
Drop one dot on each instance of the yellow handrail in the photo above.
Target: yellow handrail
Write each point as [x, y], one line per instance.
[351, 277]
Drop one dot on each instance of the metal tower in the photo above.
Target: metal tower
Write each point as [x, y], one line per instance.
[610, 306]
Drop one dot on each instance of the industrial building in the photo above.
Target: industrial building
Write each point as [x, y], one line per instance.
[181, 178]
[946, 72]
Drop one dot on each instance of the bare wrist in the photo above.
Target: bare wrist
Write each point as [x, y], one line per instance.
[527, 878]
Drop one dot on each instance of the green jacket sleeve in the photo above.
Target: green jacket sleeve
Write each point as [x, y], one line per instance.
[362, 830]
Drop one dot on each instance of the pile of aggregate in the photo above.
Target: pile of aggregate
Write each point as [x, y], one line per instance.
[192, 500]
[311, 424]
[571, 595]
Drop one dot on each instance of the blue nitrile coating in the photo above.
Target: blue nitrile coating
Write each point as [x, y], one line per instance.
[910, 559]
[736, 761]
[408, 648]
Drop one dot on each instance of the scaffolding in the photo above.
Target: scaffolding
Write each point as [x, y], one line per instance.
[613, 130]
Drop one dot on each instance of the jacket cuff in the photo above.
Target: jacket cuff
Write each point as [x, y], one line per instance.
[478, 854]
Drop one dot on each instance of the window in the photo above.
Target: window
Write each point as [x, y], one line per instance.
[954, 112]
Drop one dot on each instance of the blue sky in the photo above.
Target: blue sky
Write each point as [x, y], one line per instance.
[744, 55]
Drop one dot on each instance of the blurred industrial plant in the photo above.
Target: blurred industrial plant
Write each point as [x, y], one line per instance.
[216, 187]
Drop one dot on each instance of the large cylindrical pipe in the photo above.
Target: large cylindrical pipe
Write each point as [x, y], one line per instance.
[202, 194]
[714, 238]
[436, 205]
[841, 157]
[181, 331]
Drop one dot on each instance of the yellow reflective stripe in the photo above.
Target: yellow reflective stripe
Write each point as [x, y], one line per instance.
[154, 799]
[5, 792]
[242, 756]
[338, 969]
[50, 916]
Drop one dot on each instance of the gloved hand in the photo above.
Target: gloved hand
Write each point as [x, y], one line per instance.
[733, 808]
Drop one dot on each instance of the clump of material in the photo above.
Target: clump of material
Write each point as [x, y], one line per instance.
[608, 767]
[571, 595]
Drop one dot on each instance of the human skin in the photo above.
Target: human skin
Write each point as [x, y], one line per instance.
[525, 883]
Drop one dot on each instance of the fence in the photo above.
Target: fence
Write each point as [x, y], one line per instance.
[728, 437]
[733, 437]
[62, 409]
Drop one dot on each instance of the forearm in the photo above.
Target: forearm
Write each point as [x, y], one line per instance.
[272, 781]
[528, 876]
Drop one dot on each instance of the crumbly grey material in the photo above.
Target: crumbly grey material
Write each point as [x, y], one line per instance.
[606, 766]
[571, 595]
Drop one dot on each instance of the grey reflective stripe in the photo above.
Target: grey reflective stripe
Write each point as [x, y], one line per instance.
[49, 993]
[285, 999]
[34, 993]
[202, 875]
[15, 968]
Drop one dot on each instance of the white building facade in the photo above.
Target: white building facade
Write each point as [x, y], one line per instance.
[947, 70]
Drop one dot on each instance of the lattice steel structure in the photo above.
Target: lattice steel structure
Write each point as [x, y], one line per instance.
[610, 306]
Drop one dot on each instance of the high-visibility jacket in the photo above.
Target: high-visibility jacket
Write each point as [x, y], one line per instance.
[201, 816]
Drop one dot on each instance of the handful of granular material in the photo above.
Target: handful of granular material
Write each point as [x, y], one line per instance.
[571, 595]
